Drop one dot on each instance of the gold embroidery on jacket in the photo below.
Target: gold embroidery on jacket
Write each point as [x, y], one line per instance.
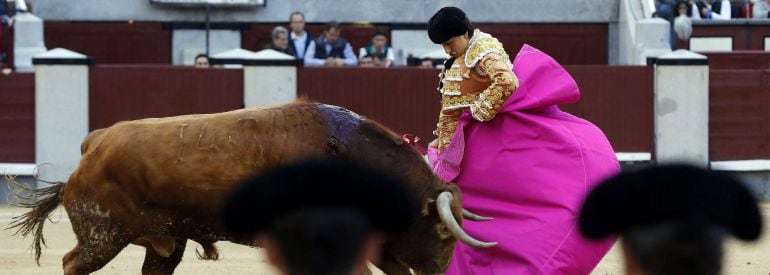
[487, 57]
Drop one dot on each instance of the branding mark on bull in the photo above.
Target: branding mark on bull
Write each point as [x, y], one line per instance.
[181, 142]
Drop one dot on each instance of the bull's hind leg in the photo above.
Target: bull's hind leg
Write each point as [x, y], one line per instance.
[99, 238]
[157, 264]
[90, 256]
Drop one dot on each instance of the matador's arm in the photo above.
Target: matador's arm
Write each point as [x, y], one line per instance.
[504, 82]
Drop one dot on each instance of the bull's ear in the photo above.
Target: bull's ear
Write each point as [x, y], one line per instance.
[427, 205]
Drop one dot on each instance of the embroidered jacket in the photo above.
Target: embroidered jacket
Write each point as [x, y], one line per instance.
[480, 81]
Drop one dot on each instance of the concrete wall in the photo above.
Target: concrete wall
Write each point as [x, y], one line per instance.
[186, 44]
[626, 33]
[401, 11]
[6, 190]
[682, 108]
[61, 118]
[639, 36]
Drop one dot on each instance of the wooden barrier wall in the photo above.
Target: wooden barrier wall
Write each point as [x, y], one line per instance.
[17, 118]
[258, 35]
[403, 99]
[739, 60]
[8, 48]
[112, 42]
[120, 93]
[588, 42]
[617, 99]
[746, 34]
[150, 42]
[739, 117]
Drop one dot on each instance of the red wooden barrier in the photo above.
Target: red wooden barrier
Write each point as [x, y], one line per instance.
[17, 118]
[739, 60]
[588, 42]
[358, 36]
[111, 42]
[403, 99]
[570, 44]
[149, 43]
[739, 117]
[120, 93]
[746, 34]
[9, 48]
[617, 99]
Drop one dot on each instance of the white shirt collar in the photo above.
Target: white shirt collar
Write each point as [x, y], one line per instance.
[294, 36]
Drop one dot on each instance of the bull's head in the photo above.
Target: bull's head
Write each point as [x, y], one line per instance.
[427, 248]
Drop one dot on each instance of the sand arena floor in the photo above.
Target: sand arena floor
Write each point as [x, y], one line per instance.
[16, 258]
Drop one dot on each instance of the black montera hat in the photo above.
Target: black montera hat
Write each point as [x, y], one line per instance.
[670, 194]
[448, 22]
[328, 183]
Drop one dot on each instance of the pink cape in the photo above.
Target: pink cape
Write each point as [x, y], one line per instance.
[530, 169]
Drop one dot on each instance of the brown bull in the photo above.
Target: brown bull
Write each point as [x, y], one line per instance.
[159, 182]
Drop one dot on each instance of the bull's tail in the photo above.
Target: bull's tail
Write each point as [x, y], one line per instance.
[42, 201]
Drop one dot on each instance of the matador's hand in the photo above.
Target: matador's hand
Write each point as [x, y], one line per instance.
[433, 144]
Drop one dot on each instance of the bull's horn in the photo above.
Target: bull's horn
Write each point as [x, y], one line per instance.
[445, 212]
[469, 215]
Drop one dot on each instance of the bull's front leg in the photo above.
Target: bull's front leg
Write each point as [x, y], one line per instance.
[390, 266]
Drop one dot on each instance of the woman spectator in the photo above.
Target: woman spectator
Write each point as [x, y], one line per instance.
[682, 21]
[721, 10]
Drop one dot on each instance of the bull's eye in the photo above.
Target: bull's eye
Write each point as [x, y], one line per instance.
[443, 231]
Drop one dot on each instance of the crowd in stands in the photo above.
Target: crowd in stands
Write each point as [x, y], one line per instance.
[681, 13]
[713, 9]
[331, 49]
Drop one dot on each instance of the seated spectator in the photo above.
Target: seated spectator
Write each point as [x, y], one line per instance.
[672, 219]
[280, 42]
[721, 10]
[761, 9]
[300, 39]
[330, 50]
[366, 62]
[426, 63]
[379, 50]
[665, 10]
[326, 216]
[682, 22]
[202, 61]
[701, 9]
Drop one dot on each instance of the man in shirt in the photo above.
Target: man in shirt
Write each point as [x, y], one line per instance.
[330, 50]
[300, 39]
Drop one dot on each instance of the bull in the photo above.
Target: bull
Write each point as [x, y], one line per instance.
[159, 182]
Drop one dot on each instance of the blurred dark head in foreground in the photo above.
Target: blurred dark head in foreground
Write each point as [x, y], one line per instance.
[323, 216]
[672, 219]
